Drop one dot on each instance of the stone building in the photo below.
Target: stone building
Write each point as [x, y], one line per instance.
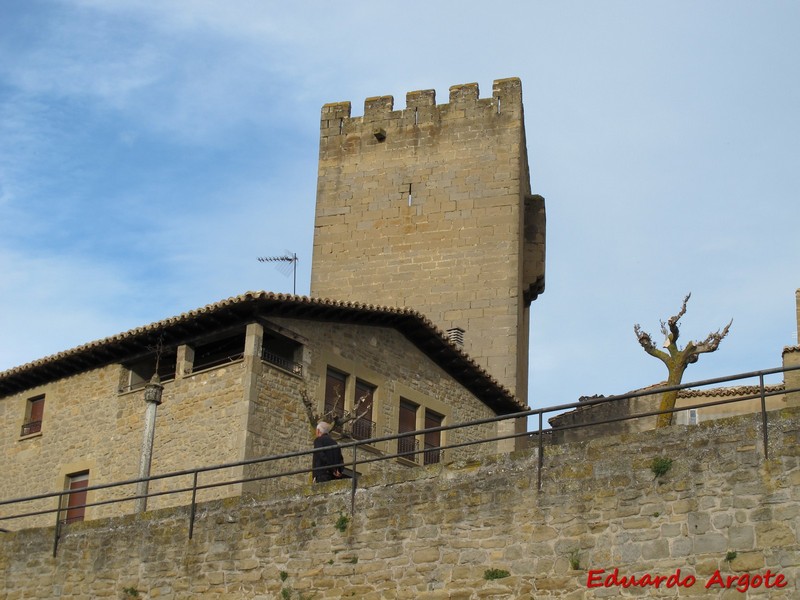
[234, 373]
[427, 209]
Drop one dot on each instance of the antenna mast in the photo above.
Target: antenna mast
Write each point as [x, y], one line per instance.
[289, 257]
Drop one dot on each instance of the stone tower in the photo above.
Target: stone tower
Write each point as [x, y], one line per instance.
[430, 208]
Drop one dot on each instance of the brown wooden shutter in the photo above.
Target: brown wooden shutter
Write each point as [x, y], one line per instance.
[335, 384]
[37, 410]
[433, 439]
[77, 497]
[408, 416]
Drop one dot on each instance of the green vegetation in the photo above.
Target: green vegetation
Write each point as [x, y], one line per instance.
[660, 466]
[731, 555]
[574, 560]
[130, 592]
[491, 574]
[342, 522]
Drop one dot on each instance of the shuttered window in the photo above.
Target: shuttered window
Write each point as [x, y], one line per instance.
[76, 499]
[363, 426]
[407, 422]
[335, 382]
[34, 412]
[433, 439]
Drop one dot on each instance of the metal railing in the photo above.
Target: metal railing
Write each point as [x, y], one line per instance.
[362, 429]
[31, 427]
[283, 363]
[407, 446]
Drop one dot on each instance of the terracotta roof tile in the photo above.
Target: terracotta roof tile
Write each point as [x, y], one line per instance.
[415, 326]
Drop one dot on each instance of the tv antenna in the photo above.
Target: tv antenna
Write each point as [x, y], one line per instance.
[289, 261]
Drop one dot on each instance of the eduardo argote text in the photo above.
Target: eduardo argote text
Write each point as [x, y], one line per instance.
[597, 578]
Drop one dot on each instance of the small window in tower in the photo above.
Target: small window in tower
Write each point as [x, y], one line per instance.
[34, 411]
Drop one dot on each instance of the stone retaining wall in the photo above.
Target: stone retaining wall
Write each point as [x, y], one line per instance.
[720, 511]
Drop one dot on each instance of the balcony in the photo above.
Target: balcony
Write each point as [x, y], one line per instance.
[31, 428]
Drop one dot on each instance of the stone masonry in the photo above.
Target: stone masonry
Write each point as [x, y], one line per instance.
[243, 409]
[430, 208]
[468, 530]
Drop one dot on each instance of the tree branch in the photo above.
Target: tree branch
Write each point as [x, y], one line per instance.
[711, 343]
[334, 419]
[646, 342]
[672, 322]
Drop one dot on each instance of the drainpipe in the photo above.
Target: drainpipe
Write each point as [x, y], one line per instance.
[152, 396]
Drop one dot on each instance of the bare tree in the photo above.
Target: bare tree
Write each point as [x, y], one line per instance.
[337, 421]
[676, 359]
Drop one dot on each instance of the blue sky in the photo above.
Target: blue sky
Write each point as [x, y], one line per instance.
[150, 151]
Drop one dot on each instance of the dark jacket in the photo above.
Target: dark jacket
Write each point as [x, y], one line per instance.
[326, 463]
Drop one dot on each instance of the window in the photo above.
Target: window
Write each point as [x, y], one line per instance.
[693, 416]
[34, 410]
[282, 352]
[407, 422]
[219, 352]
[364, 426]
[433, 439]
[141, 371]
[76, 499]
[335, 385]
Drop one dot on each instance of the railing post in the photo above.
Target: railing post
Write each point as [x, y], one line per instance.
[764, 414]
[194, 505]
[541, 456]
[58, 525]
[354, 482]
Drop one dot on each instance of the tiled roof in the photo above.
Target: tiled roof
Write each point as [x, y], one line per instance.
[724, 392]
[720, 392]
[238, 309]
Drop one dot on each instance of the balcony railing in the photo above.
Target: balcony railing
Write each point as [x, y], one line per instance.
[362, 429]
[283, 363]
[31, 427]
[432, 454]
[408, 447]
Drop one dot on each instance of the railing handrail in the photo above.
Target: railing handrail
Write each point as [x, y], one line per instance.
[356, 443]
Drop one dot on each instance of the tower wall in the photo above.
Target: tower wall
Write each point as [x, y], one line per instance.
[429, 207]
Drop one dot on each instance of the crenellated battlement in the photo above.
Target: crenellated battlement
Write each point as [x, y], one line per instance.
[421, 108]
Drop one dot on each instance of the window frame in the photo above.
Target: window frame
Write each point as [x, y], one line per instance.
[73, 503]
[425, 406]
[354, 373]
[34, 407]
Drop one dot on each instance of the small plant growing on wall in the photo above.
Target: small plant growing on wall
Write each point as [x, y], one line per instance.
[492, 574]
[730, 555]
[342, 522]
[574, 560]
[660, 466]
[130, 592]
